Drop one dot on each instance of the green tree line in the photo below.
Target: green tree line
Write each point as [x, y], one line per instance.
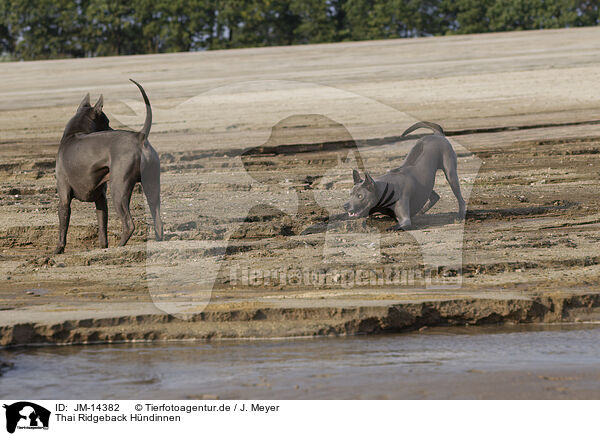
[44, 29]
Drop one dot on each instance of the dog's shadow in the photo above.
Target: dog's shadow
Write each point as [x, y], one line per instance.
[433, 220]
[518, 212]
[381, 222]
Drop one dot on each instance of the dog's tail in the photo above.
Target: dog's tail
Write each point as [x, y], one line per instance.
[437, 129]
[148, 123]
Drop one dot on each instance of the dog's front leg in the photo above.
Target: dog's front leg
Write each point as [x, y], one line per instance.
[102, 216]
[402, 211]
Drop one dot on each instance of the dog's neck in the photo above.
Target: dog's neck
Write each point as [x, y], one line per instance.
[387, 195]
[80, 123]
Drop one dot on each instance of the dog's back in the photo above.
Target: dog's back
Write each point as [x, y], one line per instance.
[430, 150]
[90, 158]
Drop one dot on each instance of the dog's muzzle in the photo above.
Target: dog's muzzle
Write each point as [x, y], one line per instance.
[347, 209]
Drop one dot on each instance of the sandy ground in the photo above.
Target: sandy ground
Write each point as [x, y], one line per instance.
[256, 150]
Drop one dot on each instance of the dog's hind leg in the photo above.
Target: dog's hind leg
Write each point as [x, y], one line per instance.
[449, 168]
[102, 216]
[150, 169]
[431, 201]
[65, 195]
[121, 189]
[153, 198]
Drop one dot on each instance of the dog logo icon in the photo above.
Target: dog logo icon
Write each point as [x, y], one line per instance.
[26, 415]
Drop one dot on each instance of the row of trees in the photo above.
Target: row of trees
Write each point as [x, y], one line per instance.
[42, 29]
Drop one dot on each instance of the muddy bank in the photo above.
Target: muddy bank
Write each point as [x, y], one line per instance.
[528, 157]
[92, 323]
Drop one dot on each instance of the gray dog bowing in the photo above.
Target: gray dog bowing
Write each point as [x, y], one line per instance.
[405, 191]
[91, 154]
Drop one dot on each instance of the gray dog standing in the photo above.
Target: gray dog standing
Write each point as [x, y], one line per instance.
[91, 154]
[405, 191]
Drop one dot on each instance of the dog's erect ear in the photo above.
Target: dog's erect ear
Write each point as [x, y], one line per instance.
[99, 104]
[369, 180]
[356, 177]
[85, 102]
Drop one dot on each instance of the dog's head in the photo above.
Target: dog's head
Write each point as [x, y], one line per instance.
[363, 196]
[92, 118]
[28, 414]
[88, 118]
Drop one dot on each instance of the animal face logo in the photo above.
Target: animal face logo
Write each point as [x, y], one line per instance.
[26, 415]
[363, 196]
[292, 180]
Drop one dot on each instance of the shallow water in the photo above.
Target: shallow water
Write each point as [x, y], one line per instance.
[469, 362]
